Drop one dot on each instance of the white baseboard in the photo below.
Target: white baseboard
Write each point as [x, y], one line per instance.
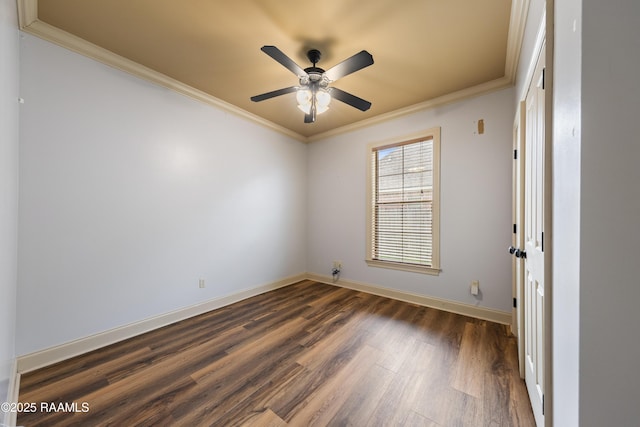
[49, 356]
[483, 313]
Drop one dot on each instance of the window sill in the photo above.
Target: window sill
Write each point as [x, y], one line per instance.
[403, 267]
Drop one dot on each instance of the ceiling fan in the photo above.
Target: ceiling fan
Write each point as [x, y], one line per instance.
[313, 93]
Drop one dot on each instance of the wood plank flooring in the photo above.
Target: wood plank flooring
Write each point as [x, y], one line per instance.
[309, 354]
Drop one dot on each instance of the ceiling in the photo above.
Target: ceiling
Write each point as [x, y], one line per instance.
[426, 52]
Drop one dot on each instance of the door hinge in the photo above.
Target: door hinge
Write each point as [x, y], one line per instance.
[544, 77]
[515, 228]
[515, 154]
[542, 241]
[543, 404]
[515, 303]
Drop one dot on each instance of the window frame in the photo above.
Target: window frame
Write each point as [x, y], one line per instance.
[434, 268]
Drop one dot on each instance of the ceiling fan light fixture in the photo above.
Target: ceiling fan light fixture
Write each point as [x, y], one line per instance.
[313, 95]
[303, 97]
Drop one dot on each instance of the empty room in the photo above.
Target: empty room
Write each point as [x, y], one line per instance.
[278, 213]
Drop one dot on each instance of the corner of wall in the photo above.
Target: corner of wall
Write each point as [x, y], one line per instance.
[9, 109]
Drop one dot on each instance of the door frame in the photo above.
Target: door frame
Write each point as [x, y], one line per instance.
[517, 240]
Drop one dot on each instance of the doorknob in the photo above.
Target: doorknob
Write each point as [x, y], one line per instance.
[517, 252]
[521, 254]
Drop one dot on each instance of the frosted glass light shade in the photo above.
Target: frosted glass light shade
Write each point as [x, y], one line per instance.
[322, 101]
[303, 96]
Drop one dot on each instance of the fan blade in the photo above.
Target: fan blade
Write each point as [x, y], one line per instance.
[274, 93]
[352, 100]
[283, 59]
[350, 65]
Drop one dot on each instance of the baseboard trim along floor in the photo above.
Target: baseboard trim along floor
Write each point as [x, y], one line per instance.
[49, 356]
[502, 317]
[306, 354]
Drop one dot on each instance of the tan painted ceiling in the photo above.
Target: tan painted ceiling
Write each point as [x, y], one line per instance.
[423, 49]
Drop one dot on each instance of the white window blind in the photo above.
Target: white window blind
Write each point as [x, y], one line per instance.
[402, 197]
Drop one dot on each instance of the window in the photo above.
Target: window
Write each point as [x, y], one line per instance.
[403, 211]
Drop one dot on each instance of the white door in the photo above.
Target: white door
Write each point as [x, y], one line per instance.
[534, 223]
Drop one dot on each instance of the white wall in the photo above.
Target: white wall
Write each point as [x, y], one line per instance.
[596, 211]
[9, 67]
[475, 202]
[610, 214]
[130, 193]
[566, 212]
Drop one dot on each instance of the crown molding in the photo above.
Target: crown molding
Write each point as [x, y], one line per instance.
[517, 23]
[29, 23]
[27, 12]
[481, 89]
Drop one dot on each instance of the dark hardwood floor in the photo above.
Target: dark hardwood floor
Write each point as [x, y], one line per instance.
[307, 354]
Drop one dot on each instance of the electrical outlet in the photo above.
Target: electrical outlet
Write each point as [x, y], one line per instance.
[337, 265]
[201, 283]
[475, 287]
